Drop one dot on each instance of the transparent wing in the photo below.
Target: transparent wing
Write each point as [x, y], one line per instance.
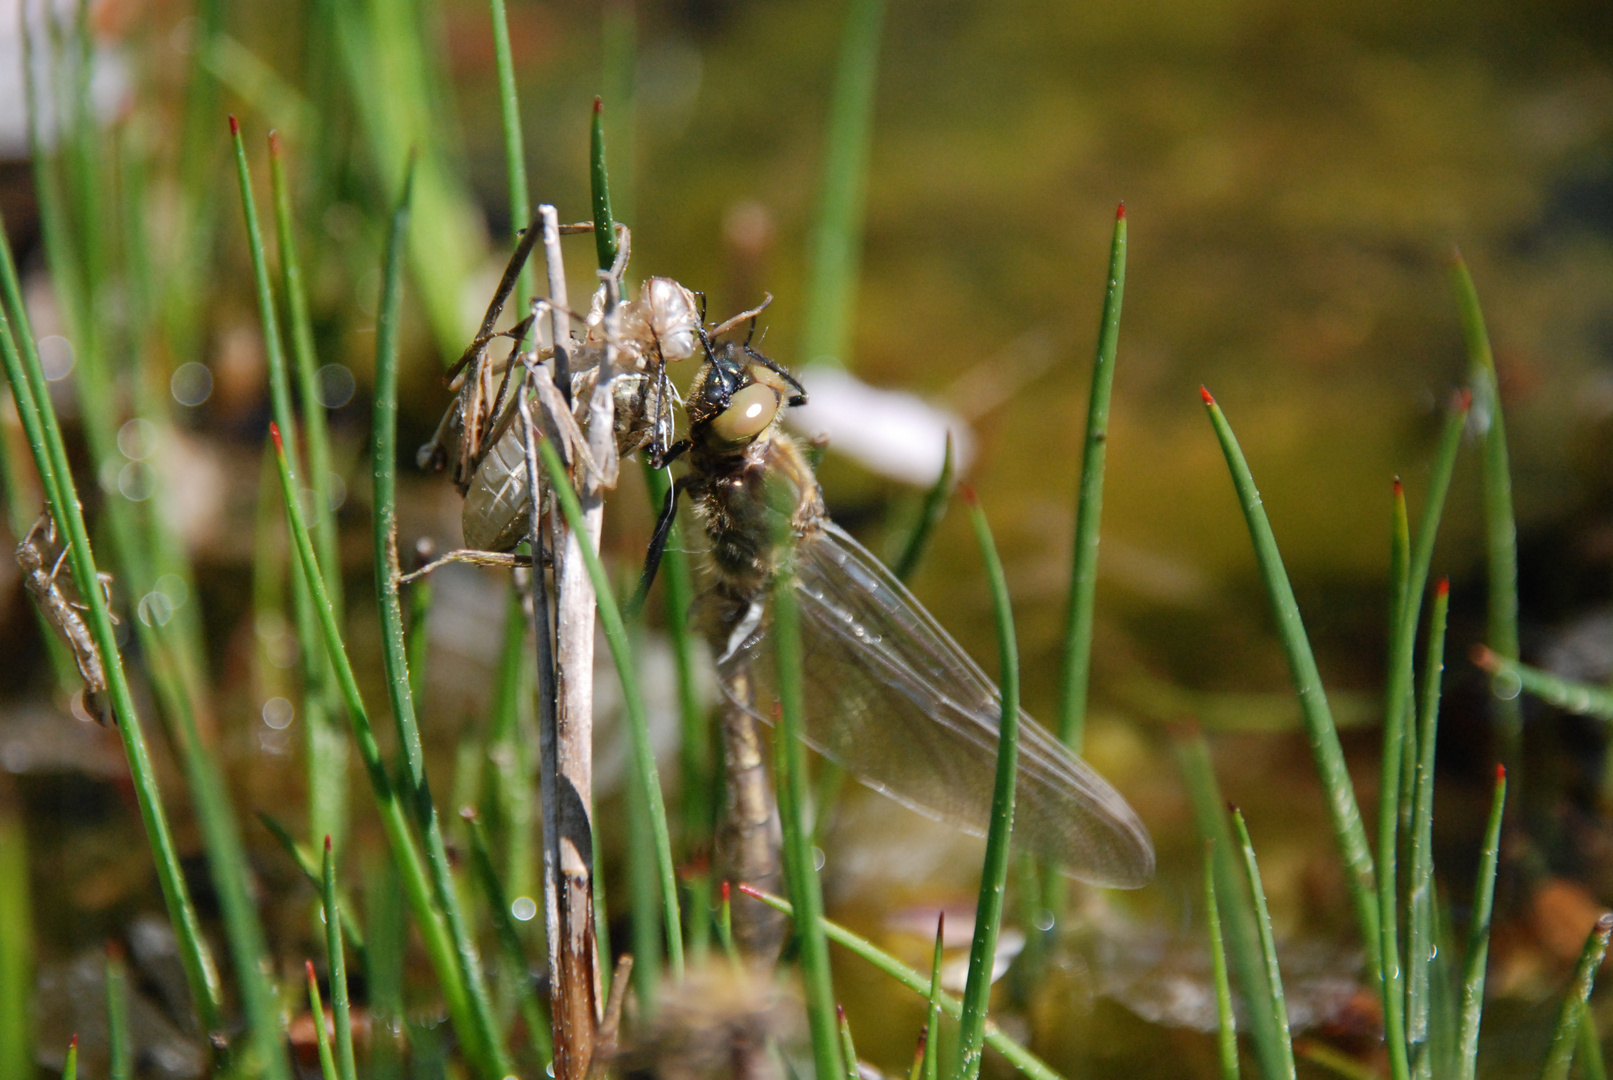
[892, 698]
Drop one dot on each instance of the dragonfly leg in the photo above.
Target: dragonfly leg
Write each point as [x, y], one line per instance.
[467, 555]
[652, 557]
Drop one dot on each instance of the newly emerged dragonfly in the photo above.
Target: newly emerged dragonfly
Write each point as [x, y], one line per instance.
[890, 695]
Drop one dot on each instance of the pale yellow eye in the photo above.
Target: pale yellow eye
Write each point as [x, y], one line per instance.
[748, 413]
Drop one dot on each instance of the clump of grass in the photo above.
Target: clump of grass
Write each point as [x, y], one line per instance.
[1422, 1039]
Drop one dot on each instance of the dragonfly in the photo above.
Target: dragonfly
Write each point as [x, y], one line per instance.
[889, 695]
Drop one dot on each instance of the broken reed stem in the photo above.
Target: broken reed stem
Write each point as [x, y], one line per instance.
[568, 770]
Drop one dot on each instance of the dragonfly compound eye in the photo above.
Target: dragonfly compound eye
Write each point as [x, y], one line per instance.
[748, 414]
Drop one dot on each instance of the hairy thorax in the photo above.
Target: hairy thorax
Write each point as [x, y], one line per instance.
[742, 511]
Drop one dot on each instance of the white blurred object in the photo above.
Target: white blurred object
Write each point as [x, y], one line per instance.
[109, 72]
[894, 433]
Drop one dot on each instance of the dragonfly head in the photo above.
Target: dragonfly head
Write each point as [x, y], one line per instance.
[738, 394]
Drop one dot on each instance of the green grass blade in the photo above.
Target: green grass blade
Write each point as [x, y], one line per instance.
[1334, 1061]
[1591, 1065]
[1399, 559]
[533, 1013]
[314, 874]
[393, 77]
[16, 940]
[599, 187]
[484, 1042]
[1016, 1055]
[186, 292]
[994, 872]
[386, 896]
[326, 759]
[1227, 1028]
[1241, 932]
[1478, 938]
[316, 1009]
[610, 619]
[1089, 504]
[1500, 526]
[645, 801]
[930, 515]
[119, 1046]
[1420, 908]
[38, 417]
[1398, 696]
[1343, 812]
[67, 272]
[69, 1070]
[848, 1049]
[790, 781]
[932, 1022]
[643, 889]
[836, 242]
[725, 923]
[338, 968]
[1268, 947]
[257, 84]
[1574, 697]
[508, 803]
[695, 751]
[601, 914]
[417, 647]
[325, 745]
[415, 886]
[1566, 1036]
[921, 1055]
[1399, 566]
[274, 351]
[316, 434]
[509, 105]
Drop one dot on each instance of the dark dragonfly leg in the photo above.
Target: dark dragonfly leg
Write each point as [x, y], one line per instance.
[652, 557]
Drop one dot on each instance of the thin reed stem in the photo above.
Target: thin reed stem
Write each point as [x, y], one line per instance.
[1478, 935]
[1343, 812]
[1420, 894]
[994, 871]
[16, 939]
[1089, 504]
[1495, 473]
[509, 107]
[790, 778]
[1566, 1036]
[119, 1041]
[1226, 1041]
[316, 1010]
[1275, 1002]
[837, 233]
[485, 1040]
[610, 619]
[338, 968]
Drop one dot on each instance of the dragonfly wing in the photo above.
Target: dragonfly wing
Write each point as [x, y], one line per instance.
[892, 698]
